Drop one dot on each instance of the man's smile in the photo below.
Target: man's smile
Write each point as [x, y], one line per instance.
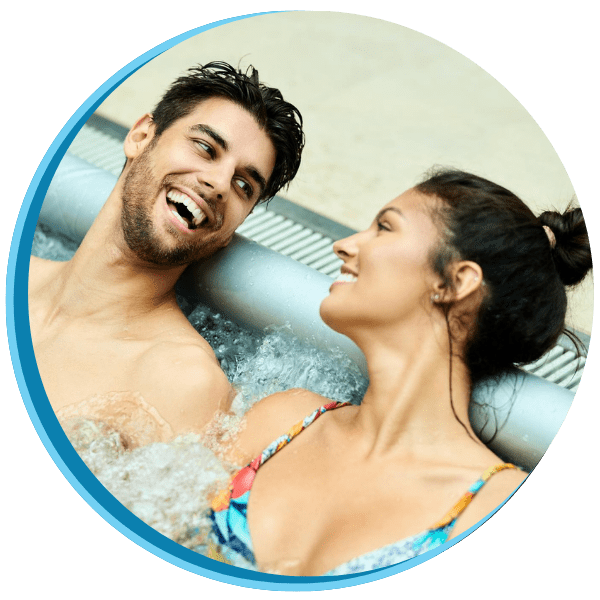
[190, 211]
[185, 210]
[184, 195]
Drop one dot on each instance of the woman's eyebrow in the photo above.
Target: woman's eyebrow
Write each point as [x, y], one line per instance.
[386, 209]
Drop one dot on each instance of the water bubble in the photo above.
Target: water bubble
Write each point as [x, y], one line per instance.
[169, 486]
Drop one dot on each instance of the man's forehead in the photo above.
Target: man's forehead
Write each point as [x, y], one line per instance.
[232, 126]
[215, 107]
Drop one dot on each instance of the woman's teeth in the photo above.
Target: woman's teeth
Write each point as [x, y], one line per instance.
[346, 278]
[198, 214]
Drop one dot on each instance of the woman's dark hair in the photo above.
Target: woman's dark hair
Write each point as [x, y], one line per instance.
[281, 120]
[522, 313]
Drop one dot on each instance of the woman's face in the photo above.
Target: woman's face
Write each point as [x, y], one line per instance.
[386, 277]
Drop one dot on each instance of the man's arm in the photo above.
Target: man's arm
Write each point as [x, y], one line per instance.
[186, 386]
[158, 413]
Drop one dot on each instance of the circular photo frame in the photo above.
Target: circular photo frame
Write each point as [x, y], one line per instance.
[483, 110]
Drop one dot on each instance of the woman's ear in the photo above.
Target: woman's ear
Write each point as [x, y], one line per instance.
[464, 278]
[139, 137]
[467, 277]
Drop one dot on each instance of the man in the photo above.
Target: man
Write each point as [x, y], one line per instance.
[109, 338]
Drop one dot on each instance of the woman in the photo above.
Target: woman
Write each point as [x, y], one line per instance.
[454, 280]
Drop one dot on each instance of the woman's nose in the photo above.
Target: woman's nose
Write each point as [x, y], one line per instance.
[346, 248]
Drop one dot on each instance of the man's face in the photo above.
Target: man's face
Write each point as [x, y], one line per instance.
[187, 191]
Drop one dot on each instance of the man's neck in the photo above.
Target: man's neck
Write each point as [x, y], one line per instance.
[106, 279]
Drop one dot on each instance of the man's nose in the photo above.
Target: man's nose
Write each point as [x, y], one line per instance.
[217, 178]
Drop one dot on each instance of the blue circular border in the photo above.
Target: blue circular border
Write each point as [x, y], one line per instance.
[44, 419]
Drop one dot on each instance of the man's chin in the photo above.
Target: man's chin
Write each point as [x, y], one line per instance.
[160, 256]
[166, 249]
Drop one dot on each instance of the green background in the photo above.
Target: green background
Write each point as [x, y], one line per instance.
[542, 542]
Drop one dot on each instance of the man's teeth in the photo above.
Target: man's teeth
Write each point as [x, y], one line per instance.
[346, 278]
[178, 216]
[198, 214]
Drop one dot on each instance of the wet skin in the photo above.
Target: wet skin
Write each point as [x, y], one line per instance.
[361, 478]
[107, 320]
[217, 157]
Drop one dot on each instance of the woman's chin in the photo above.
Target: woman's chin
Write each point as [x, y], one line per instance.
[331, 315]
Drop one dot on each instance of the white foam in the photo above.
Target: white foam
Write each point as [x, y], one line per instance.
[170, 486]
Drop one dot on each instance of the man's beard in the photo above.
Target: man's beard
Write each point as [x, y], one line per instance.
[138, 230]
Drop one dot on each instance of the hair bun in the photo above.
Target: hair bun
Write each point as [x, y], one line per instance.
[572, 254]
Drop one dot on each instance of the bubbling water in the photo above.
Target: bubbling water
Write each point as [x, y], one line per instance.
[51, 244]
[169, 485]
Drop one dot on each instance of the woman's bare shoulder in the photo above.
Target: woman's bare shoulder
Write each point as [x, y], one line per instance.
[272, 417]
[497, 489]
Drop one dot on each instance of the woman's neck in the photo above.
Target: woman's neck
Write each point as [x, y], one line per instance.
[413, 389]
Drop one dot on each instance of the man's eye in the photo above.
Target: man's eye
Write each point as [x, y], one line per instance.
[206, 147]
[245, 187]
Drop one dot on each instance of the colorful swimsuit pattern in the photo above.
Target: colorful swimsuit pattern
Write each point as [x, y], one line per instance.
[231, 541]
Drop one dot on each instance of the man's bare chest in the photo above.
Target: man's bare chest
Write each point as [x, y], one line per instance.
[75, 363]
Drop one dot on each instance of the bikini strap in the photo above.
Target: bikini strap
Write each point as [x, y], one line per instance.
[470, 494]
[286, 438]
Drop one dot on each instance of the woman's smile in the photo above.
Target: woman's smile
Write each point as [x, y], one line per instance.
[387, 270]
[345, 277]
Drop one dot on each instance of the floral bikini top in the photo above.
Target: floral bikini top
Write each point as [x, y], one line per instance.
[230, 539]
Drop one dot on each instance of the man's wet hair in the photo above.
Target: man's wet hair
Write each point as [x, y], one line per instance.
[281, 120]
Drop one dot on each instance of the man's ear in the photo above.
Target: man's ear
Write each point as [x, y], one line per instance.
[139, 136]
[467, 277]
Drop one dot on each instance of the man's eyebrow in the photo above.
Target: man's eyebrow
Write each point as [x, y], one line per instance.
[384, 210]
[215, 135]
[255, 174]
[252, 171]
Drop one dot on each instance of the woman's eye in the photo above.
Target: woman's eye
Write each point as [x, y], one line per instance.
[245, 187]
[383, 226]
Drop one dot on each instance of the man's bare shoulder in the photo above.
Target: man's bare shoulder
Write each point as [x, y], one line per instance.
[36, 261]
[41, 269]
[188, 384]
[272, 417]
[175, 335]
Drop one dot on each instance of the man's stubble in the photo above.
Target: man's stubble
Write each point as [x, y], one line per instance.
[140, 190]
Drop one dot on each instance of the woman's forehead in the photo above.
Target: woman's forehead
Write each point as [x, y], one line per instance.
[410, 201]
